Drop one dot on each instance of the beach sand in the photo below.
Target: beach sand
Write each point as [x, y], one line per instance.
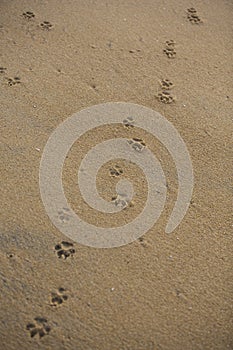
[163, 291]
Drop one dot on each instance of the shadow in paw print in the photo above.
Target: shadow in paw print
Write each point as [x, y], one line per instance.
[64, 250]
[38, 327]
[58, 297]
[2, 70]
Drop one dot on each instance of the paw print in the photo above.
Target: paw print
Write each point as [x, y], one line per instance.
[46, 25]
[170, 43]
[142, 242]
[39, 326]
[137, 144]
[165, 97]
[13, 81]
[64, 215]
[59, 297]
[193, 16]
[28, 15]
[116, 171]
[166, 84]
[2, 70]
[121, 201]
[129, 122]
[64, 250]
[170, 49]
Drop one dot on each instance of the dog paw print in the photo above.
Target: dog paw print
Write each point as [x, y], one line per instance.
[64, 215]
[142, 242]
[115, 171]
[64, 250]
[165, 97]
[28, 15]
[46, 25]
[166, 84]
[193, 16]
[39, 327]
[121, 201]
[129, 122]
[170, 49]
[2, 70]
[58, 297]
[13, 81]
[137, 144]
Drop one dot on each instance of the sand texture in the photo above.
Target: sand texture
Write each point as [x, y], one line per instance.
[163, 291]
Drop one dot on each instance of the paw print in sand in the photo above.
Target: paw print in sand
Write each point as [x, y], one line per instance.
[38, 327]
[59, 297]
[165, 97]
[46, 25]
[28, 15]
[64, 250]
[142, 242]
[193, 16]
[64, 215]
[170, 49]
[166, 84]
[13, 81]
[121, 201]
[115, 171]
[137, 144]
[129, 122]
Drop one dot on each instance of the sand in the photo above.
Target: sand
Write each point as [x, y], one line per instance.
[163, 291]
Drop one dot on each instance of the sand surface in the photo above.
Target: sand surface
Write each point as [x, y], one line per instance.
[162, 292]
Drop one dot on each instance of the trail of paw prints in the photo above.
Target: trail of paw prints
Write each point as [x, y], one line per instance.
[39, 327]
[193, 16]
[169, 49]
[58, 297]
[29, 15]
[64, 250]
[165, 95]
